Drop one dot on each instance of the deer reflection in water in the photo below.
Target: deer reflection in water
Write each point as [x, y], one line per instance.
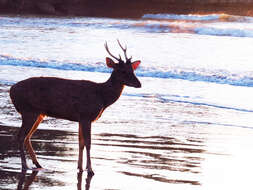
[79, 179]
[25, 182]
[24, 179]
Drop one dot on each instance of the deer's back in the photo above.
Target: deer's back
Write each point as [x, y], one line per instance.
[61, 98]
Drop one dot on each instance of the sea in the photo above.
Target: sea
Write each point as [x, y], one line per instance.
[197, 87]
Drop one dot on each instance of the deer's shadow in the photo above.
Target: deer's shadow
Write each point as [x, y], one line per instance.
[26, 180]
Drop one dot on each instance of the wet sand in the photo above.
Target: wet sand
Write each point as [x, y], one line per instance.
[216, 157]
[170, 145]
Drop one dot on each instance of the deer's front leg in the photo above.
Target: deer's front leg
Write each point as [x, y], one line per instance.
[86, 131]
[81, 147]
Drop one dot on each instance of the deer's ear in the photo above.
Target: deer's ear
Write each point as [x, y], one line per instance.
[110, 63]
[136, 64]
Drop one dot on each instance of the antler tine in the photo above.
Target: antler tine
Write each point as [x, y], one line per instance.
[124, 49]
[107, 49]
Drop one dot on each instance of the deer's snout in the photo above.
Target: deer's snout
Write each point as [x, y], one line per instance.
[138, 85]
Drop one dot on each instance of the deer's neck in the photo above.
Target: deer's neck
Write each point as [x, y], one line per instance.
[111, 90]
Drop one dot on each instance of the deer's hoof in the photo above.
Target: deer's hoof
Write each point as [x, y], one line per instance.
[90, 173]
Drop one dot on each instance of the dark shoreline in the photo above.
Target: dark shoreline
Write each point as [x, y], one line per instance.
[123, 8]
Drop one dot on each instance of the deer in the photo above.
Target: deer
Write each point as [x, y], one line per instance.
[81, 101]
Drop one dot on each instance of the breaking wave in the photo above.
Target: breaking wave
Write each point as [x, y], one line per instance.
[189, 17]
[196, 17]
[213, 24]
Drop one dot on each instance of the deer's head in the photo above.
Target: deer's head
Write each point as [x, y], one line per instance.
[123, 70]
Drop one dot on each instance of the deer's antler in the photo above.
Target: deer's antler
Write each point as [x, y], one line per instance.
[124, 50]
[107, 49]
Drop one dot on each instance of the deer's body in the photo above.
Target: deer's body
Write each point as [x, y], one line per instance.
[76, 100]
[66, 99]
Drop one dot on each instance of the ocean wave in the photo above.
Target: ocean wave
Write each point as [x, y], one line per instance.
[97, 67]
[234, 32]
[192, 28]
[197, 17]
[213, 24]
[189, 17]
[208, 76]
[219, 77]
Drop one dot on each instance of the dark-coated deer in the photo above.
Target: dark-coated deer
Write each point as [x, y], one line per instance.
[76, 100]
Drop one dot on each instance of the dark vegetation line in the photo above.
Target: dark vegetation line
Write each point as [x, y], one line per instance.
[124, 8]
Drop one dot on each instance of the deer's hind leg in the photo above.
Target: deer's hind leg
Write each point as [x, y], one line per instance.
[28, 143]
[30, 122]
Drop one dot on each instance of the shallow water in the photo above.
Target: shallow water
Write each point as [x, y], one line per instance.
[169, 148]
[188, 127]
[193, 156]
